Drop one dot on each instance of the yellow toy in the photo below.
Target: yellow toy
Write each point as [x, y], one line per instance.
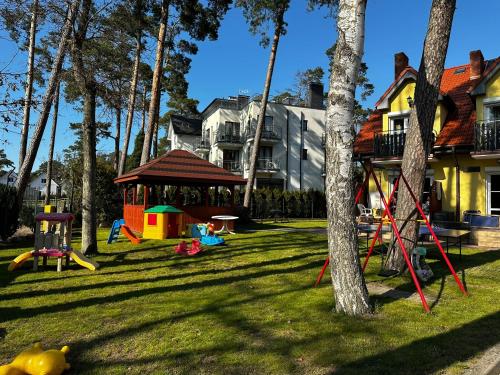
[36, 361]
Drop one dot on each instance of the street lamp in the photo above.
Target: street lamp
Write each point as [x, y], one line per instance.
[410, 101]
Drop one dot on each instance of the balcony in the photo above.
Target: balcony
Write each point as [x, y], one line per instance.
[267, 165]
[203, 146]
[486, 140]
[230, 165]
[389, 144]
[228, 139]
[273, 133]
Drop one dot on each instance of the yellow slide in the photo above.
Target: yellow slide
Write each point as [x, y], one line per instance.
[20, 260]
[83, 261]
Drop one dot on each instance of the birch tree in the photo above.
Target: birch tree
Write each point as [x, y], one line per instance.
[351, 295]
[258, 14]
[419, 135]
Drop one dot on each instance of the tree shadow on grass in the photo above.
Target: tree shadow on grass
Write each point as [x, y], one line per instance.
[432, 354]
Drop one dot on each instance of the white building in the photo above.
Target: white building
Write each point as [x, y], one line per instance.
[184, 133]
[8, 178]
[291, 154]
[39, 183]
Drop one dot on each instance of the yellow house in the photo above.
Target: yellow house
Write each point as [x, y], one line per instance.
[463, 171]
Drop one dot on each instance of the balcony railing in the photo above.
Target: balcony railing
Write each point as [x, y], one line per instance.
[204, 144]
[222, 137]
[389, 144]
[268, 165]
[230, 165]
[487, 136]
[273, 133]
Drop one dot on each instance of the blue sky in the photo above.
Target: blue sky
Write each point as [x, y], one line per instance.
[236, 62]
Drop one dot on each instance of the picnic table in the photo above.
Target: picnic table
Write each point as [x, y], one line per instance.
[454, 234]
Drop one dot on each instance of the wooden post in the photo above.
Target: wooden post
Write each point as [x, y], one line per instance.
[134, 195]
[125, 194]
[146, 195]
[231, 191]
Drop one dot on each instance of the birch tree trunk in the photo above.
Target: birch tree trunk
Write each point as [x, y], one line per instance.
[51, 145]
[118, 117]
[351, 295]
[154, 103]
[419, 134]
[29, 85]
[131, 104]
[25, 169]
[263, 104]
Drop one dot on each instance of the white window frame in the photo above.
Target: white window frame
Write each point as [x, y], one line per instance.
[429, 173]
[405, 115]
[488, 191]
[488, 103]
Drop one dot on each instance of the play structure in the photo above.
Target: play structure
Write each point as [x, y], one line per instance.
[53, 242]
[182, 248]
[36, 361]
[205, 232]
[162, 222]
[397, 233]
[119, 226]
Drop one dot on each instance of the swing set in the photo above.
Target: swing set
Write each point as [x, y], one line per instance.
[397, 232]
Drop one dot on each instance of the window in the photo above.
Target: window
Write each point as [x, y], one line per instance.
[268, 122]
[399, 124]
[493, 194]
[232, 128]
[304, 154]
[492, 112]
[10, 179]
[44, 180]
[304, 125]
[266, 152]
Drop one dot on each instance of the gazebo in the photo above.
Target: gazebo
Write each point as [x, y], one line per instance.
[177, 169]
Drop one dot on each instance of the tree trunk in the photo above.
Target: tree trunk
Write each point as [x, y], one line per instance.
[29, 85]
[155, 140]
[51, 146]
[89, 217]
[144, 105]
[155, 88]
[131, 105]
[263, 104]
[419, 135]
[25, 169]
[116, 160]
[87, 87]
[351, 295]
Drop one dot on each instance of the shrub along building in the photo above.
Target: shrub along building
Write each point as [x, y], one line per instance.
[463, 170]
[291, 155]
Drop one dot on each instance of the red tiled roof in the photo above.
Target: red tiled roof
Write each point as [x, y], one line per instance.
[458, 128]
[364, 139]
[179, 167]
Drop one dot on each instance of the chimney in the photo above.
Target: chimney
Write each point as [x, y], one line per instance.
[476, 64]
[242, 101]
[401, 62]
[315, 97]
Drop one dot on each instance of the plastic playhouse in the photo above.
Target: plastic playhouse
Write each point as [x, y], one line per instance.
[36, 361]
[53, 242]
[162, 222]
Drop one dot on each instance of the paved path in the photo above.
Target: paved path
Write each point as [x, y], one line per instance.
[381, 290]
[487, 364]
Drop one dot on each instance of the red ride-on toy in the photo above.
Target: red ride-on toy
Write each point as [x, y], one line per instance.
[182, 248]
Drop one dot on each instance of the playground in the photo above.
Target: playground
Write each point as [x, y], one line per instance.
[245, 308]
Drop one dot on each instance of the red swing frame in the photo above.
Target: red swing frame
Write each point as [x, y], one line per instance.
[388, 213]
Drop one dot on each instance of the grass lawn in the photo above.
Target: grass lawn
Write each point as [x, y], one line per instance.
[246, 308]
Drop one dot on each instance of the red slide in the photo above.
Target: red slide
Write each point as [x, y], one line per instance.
[130, 235]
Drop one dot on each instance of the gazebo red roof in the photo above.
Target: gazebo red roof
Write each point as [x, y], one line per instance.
[179, 167]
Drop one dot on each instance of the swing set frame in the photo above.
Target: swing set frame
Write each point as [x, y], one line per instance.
[387, 213]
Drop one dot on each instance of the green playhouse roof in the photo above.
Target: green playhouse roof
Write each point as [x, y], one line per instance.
[163, 210]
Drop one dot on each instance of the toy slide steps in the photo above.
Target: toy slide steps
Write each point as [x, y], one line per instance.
[83, 261]
[127, 232]
[16, 263]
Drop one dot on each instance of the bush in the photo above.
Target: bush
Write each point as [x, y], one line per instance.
[9, 211]
[27, 217]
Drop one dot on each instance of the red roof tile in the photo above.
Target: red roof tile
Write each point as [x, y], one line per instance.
[179, 167]
[364, 139]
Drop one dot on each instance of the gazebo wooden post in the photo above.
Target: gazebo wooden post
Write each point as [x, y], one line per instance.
[125, 194]
[134, 195]
[231, 191]
[146, 196]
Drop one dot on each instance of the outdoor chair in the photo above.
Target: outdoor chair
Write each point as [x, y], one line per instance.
[365, 214]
